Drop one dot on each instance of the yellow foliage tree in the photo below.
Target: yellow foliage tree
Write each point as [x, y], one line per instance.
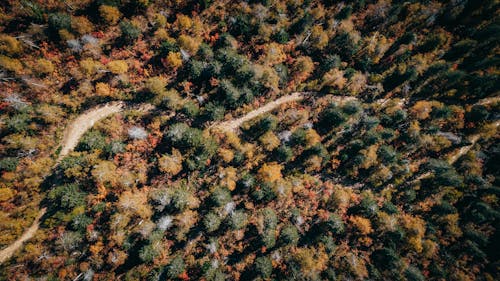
[268, 76]
[415, 229]
[188, 43]
[105, 173]
[9, 45]
[226, 155]
[44, 66]
[421, 109]
[102, 89]
[173, 60]
[183, 22]
[110, 14]
[273, 54]
[6, 194]
[171, 164]
[370, 156]
[156, 85]
[312, 260]
[270, 172]
[363, 225]
[228, 177]
[118, 66]
[312, 137]
[319, 38]
[269, 141]
[334, 78]
[135, 202]
[11, 64]
[90, 67]
[81, 25]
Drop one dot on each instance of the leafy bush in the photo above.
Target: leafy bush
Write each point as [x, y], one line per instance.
[238, 220]
[58, 21]
[68, 196]
[263, 267]
[8, 164]
[220, 196]
[289, 235]
[175, 268]
[129, 31]
[92, 140]
[211, 222]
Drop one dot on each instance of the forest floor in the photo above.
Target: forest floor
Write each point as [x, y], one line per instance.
[86, 120]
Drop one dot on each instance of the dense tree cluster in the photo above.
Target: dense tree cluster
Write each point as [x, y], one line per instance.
[386, 170]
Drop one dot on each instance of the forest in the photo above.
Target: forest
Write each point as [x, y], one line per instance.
[249, 140]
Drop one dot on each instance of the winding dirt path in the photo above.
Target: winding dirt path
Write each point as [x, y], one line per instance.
[86, 120]
[234, 124]
[454, 156]
[74, 131]
[6, 253]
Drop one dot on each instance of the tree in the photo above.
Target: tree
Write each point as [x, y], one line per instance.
[135, 202]
[273, 54]
[270, 172]
[110, 14]
[129, 31]
[188, 43]
[59, 21]
[289, 235]
[331, 117]
[92, 140]
[211, 222]
[81, 25]
[175, 268]
[137, 133]
[269, 141]
[268, 222]
[171, 164]
[363, 225]
[263, 266]
[105, 173]
[9, 164]
[148, 253]
[173, 60]
[117, 66]
[9, 45]
[414, 274]
[238, 220]
[10, 64]
[68, 196]
[220, 197]
[303, 67]
[261, 126]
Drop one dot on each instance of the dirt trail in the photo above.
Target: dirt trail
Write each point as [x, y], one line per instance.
[232, 125]
[86, 120]
[6, 253]
[464, 149]
[489, 100]
[82, 123]
[72, 135]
